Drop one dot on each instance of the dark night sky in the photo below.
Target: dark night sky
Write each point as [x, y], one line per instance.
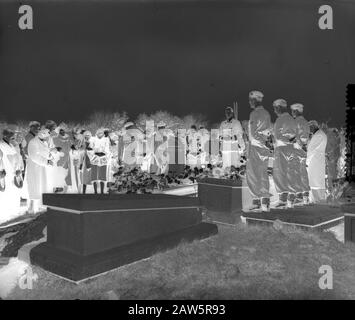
[182, 57]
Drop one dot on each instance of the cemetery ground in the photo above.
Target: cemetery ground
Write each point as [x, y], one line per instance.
[241, 262]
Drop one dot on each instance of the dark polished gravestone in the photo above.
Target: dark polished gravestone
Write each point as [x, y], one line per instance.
[349, 221]
[91, 234]
[222, 198]
[315, 217]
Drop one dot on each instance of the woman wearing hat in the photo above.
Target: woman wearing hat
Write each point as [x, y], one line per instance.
[11, 166]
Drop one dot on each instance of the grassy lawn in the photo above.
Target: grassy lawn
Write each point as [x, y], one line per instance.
[238, 263]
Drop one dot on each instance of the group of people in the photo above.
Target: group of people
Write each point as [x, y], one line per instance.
[52, 158]
[297, 156]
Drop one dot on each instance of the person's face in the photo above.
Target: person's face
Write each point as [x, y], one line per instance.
[228, 114]
[114, 139]
[62, 132]
[10, 138]
[277, 110]
[100, 134]
[313, 128]
[35, 129]
[252, 103]
[52, 128]
[294, 113]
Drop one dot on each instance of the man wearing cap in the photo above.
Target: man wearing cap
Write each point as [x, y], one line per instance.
[332, 154]
[193, 149]
[162, 139]
[11, 166]
[316, 162]
[39, 159]
[99, 157]
[302, 139]
[34, 126]
[148, 147]
[62, 143]
[204, 138]
[231, 136]
[133, 145]
[54, 174]
[284, 171]
[258, 153]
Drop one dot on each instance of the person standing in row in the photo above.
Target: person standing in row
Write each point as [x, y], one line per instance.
[11, 166]
[332, 154]
[231, 135]
[34, 128]
[99, 159]
[302, 139]
[62, 143]
[85, 165]
[285, 161]
[316, 162]
[192, 144]
[258, 153]
[39, 159]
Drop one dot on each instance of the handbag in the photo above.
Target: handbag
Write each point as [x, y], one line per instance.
[18, 181]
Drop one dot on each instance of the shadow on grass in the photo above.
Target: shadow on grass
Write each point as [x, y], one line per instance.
[238, 263]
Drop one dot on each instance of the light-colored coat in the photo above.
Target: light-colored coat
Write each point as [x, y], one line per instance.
[10, 198]
[316, 160]
[36, 176]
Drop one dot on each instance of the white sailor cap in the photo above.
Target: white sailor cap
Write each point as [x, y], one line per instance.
[297, 106]
[257, 95]
[128, 124]
[62, 126]
[280, 103]
[313, 123]
[34, 124]
[161, 124]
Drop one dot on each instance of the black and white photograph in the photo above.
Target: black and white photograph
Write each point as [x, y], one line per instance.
[189, 153]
